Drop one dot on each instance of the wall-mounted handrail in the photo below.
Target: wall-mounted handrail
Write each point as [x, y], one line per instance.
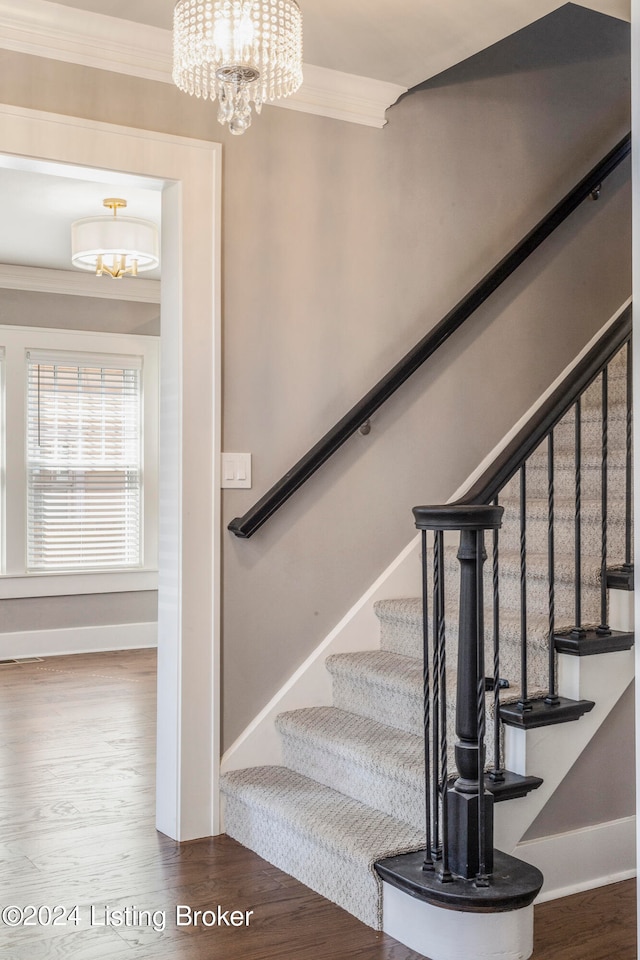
[254, 518]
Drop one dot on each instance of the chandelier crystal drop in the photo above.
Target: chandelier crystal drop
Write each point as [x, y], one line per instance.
[238, 52]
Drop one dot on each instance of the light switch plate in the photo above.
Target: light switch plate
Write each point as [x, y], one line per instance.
[235, 471]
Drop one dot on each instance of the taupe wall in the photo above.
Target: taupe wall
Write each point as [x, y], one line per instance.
[601, 784]
[25, 308]
[357, 244]
[342, 246]
[82, 610]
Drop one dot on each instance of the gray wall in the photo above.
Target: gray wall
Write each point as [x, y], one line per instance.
[601, 784]
[343, 245]
[82, 610]
[358, 243]
[25, 308]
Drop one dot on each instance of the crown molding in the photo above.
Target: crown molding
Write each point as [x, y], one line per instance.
[40, 280]
[45, 29]
[343, 96]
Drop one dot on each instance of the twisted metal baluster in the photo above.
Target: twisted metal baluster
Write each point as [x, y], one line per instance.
[442, 664]
[497, 774]
[578, 630]
[428, 859]
[524, 702]
[604, 629]
[552, 697]
[436, 848]
[628, 486]
[482, 878]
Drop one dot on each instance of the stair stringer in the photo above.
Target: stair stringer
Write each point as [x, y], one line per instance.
[550, 752]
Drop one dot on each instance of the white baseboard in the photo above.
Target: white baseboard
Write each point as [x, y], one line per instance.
[97, 639]
[583, 859]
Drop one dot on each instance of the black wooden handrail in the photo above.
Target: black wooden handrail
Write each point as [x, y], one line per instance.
[484, 490]
[247, 525]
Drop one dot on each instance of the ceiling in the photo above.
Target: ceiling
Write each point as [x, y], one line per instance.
[397, 41]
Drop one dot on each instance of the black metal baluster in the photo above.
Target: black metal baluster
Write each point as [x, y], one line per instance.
[628, 488]
[482, 878]
[523, 703]
[436, 848]
[428, 859]
[604, 629]
[578, 630]
[442, 664]
[552, 696]
[497, 774]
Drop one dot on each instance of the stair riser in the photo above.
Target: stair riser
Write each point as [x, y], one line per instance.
[396, 707]
[537, 532]
[564, 479]
[401, 799]
[303, 857]
[537, 586]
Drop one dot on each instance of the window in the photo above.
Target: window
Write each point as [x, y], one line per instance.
[79, 491]
[84, 462]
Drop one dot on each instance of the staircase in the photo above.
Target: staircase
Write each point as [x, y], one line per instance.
[351, 789]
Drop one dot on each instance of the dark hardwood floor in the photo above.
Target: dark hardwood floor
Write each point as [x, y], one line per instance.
[77, 828]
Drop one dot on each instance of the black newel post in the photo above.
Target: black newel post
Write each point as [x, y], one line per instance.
[470, 818]
[469, 806]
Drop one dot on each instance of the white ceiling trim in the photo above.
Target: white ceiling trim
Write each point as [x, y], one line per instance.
[45, 29]
[41, 280]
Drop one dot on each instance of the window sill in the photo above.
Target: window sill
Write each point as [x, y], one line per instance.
[15, 586]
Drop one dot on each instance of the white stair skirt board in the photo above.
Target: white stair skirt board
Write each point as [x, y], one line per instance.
[442, 934]
[62, 642]
[600, 854]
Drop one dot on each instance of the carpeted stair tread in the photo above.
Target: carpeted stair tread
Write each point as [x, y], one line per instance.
[325, 839]
[369, 761]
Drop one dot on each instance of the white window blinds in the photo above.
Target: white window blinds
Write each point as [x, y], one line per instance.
[84, 464]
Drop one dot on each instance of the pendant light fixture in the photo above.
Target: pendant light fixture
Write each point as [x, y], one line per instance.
[114, 245]
[238, 52]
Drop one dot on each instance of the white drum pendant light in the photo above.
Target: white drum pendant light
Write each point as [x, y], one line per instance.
[114, 245]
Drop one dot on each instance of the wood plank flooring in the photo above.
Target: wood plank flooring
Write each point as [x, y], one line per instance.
[77, 742]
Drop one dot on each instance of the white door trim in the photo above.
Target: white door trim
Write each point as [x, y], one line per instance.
[188, 171]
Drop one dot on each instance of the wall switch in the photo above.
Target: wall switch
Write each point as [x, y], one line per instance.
[236, 470]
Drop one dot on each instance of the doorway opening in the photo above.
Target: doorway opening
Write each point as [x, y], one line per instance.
[186, 175]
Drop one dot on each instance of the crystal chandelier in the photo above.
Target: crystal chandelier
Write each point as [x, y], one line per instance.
[114, 245]
[240, 51]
